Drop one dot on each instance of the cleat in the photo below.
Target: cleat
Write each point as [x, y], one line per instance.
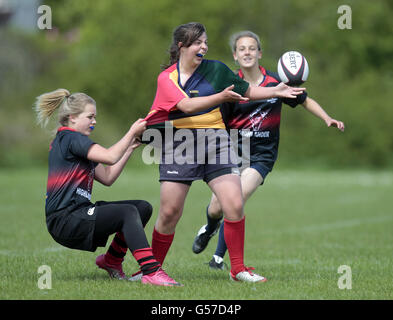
[203, 238]
[159, 278]
[137, 276]
[247, 276]
[114, 271]
[217, 263]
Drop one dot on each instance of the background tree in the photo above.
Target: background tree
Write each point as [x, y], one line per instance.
[113, 50]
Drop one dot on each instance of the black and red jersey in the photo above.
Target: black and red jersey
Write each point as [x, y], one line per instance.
[71, 174]
[260, 120]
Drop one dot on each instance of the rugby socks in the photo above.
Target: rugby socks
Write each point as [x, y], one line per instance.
[147, 262]
[160, 244]
[117, 250]
[211, 222]
[234, 232]
[221, 245]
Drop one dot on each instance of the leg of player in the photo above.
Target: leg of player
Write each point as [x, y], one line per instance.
[227, 188]
[206, 232]
[217, 261]
[118, 248]
[125, 219]
[250, 180]
[172, 197]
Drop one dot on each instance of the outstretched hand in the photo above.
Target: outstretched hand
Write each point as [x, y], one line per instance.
[231, 96]
[284, 91]
[335, 123]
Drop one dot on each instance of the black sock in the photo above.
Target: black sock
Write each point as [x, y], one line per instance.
[212, 223]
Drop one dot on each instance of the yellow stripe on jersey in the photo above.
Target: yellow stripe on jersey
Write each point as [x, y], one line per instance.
[151, 112]
[212, 119]
[174, 76]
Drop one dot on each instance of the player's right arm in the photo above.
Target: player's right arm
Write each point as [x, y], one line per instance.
[191, 105]
[196, 104]
[279, 91]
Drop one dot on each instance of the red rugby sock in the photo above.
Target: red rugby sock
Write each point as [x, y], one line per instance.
[147, 262]
[117, 250]
[160, 244]
[234, 232]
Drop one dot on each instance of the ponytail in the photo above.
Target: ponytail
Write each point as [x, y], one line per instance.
[47, 103]
[174, 53]
[67, 103]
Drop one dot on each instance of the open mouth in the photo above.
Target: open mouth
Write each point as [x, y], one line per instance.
[248, 60]
[91, 128]
[199, 55]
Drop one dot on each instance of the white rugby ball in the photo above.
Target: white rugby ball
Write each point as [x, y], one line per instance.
[293, 68]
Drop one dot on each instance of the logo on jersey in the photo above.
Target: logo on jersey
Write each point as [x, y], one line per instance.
[83, 193]
[257, 117]
[272, 100]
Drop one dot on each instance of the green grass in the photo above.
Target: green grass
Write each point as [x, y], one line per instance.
[300, 227]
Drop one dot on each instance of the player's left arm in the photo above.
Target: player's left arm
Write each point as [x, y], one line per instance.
[312, 106]
[107, 175]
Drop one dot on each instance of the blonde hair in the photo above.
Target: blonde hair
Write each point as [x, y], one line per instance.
[66, 103]
[242, 34]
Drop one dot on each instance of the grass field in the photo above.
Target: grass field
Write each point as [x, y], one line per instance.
[301, 226]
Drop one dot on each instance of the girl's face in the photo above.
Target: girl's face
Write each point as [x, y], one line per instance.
[193, 54]
[247, 53]
[85, 121]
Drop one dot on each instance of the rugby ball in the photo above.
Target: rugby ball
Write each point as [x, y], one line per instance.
[293, 68]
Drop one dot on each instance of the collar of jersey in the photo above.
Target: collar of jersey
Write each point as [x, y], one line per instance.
[263, 71]
[65, 128]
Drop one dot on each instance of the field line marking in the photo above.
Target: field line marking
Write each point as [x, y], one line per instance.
[336, 225]
[12, 253]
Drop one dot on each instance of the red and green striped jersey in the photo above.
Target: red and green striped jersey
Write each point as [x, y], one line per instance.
[209, 78]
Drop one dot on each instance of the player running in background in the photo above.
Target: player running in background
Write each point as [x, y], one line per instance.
[74, 162]
[262, 119]
[190, 92]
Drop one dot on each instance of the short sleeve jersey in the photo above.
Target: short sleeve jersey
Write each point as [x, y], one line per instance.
[209, 78]
[260, 120]
[71, 174]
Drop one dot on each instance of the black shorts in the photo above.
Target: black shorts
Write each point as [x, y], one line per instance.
[205, 177]
[73, 227]
[209, 155]
[262, 169]
[77, 226]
